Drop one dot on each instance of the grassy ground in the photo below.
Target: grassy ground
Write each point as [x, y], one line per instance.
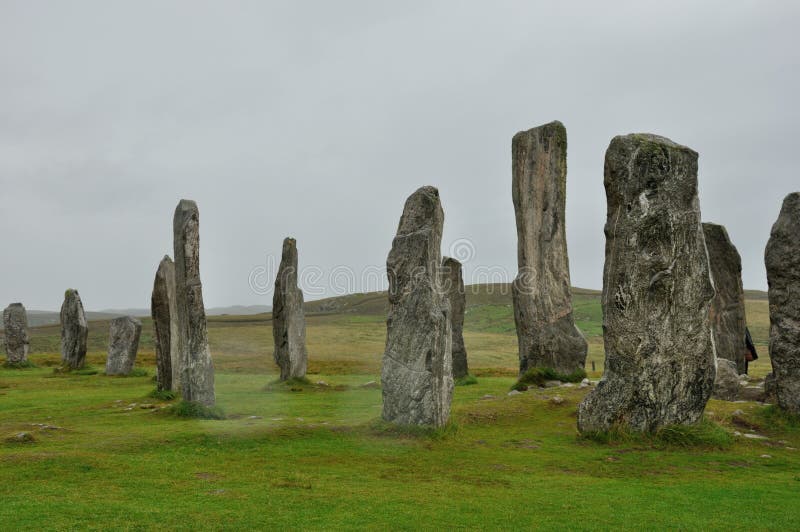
[102, 458]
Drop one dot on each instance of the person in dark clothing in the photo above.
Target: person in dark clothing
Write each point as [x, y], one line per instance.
[750, 352]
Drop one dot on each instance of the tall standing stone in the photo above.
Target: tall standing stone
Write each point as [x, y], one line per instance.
[15, 329]
[163, 310]
[727, 308]
[123, 344]
[546, 331]
[417, 375]
[74, 331]
[197, 369]
[453, 284]
[660, 359]
[288, 319]
[782, 259]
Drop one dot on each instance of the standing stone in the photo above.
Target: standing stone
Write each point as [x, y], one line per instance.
[417, 371]
[165, 325]
[15, 329]
[782, 258]
[453, 281]
[546, 331]
[123, 344]
[660, 359]
[726, 383]
[197, 368]
[288, 319]
[727, 308]
[74, 331]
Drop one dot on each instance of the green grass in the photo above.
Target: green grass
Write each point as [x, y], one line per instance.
[469, 380]
[109, 454]
[193, 410]
[25, 364]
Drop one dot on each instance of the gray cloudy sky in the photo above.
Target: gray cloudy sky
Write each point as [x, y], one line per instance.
[318, 119]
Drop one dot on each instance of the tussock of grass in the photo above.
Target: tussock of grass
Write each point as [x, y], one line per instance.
[380, 427]
[703, 434]
[192, 410]
[25, 364]
[466, 381]
[538, 376]
[162, 395]
[774, 418]
[138, 372]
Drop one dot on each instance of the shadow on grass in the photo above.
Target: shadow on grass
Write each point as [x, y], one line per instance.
[192, 410]
[383, 428]
[25, 364]
[86, 370]
[300, 384]
[538, 376]
[703, 434]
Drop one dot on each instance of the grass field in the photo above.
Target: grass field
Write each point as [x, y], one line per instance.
[105, 456]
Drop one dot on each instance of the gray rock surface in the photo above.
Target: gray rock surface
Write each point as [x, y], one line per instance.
[163, 310]
[123, 344]
[197, 368]
[726, 382]
[770, 391]
[15, 330]
[782, 258]
[453, 285]
[546, 331]
[288, 319]
[74, 331]
[657, 289]
[417, 371]
[727, 312]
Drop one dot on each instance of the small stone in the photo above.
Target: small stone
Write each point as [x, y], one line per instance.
[147, 406]
[586, 381]
[557, 400]
[766, 456]
[21, 437]
[371, 385]
[15, 329]
[737, 413]
[323, 384]
[123, 344]
[488, 396]
[74, 331]
[514, 392]
[755, 437]
[551, 384]
[568, 385]
[737, 433]
[254, 417]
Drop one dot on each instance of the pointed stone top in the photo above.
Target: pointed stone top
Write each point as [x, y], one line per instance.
[166, 258]
[71, 292]
[717, 231]
[422, 210]
[16, 305]
[450, 262]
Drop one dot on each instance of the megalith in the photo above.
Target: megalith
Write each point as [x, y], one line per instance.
[727, 308]
[546, 331]
[15, 330]
[123, 344]
[74, 331]
[782, 258]
[197, 368]
[453, 285]
[726, 382]
[417, 370]
[657, 289]
[288, 318]
[163, 310]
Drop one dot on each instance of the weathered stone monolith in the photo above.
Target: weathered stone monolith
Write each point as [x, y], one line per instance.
[15, 330]
[288, 318]
[197, 369]
[657, 289]
[727, 308]
[417, 371]
[123, 344]
[74, 331]
[453, 284]
[164, 312]
[546, 331]
[782, 258]
[726, 382]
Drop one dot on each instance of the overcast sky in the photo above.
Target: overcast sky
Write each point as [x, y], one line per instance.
[318, 119]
